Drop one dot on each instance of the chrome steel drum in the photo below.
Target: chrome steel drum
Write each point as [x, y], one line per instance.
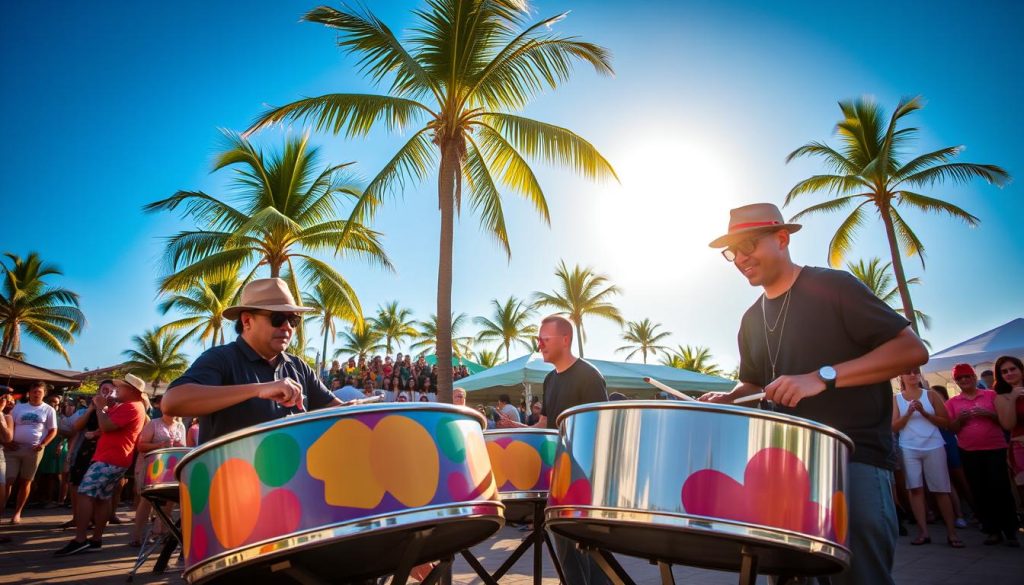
[522, 460]
[337, 493]
[692, 483]
[158, 480]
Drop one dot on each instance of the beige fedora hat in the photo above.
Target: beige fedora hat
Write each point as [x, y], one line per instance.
[265, 294]
[131, 382]
[758, 217]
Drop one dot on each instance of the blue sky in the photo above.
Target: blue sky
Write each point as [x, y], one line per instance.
[111, 107]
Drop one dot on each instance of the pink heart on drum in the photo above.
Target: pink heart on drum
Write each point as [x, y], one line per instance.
[775, 492]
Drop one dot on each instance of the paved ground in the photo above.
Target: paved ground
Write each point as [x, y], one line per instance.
[29, 560]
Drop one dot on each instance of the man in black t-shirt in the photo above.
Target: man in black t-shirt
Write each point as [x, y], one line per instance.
[573, 382]
[823, 347]
[251, 380]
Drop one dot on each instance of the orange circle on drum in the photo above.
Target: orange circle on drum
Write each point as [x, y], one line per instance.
[497, 456]
[186, 519]
[405, 460]
[522, 465]
[839, 516]
[234, 502]
[561, 476]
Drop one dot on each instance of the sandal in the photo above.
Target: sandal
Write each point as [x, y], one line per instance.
[955, 542]
[921, 540]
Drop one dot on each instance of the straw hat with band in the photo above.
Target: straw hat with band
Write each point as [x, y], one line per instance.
[133, 383]
[265, 294]
[750, 220]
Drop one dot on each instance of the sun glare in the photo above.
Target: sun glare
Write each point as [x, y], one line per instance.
[674, 198]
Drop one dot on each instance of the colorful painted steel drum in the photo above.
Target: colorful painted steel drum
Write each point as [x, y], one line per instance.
[158, 480]
[693, 483]
[337, 493]
[522, 460]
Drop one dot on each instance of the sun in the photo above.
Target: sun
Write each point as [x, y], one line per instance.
[674, 198]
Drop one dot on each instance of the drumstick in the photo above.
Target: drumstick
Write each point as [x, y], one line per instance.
[669, 389]
[750, 398]
[358, 401]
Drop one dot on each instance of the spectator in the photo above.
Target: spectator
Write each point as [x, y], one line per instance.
[159, 433]
[368, 388]
[534, 417]
[402, 398]
[956, 468]
[86, 427]
[192, 438]
[917, 415]
[983, 452]
[507, 410]
[121, 425]
[1009, 388]
[987, 380]
[65, 430]
[6, 436]
[459, 396]
[48, 476]
[426, 387]
[35, 426]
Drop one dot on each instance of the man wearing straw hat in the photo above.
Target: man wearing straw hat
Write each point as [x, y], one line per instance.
[822, 346]
[252, 379]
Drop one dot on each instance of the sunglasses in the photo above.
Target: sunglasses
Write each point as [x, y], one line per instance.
[278, 319]
[746, 247]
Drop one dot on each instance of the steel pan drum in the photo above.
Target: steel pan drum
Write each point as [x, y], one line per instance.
[693, 483]
[158, 480]
[522, 460]
[337, 493]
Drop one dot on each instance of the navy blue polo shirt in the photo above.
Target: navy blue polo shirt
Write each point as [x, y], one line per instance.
[237, 363]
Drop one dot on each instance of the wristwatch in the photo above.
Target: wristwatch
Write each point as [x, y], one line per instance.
[828, 376]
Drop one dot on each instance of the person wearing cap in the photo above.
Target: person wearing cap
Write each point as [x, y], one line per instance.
[987, 380]
[821, 346]
[252, 379]
[975, 420]
[121, 418]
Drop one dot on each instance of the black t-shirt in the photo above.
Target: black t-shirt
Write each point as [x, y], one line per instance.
[237, 363]
[832, 317]
[580, 383]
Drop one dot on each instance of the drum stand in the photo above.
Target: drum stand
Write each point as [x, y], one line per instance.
[617, 575]
[537, 538]
[166, 544]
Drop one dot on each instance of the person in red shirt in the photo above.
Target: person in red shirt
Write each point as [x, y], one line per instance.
[121, 425]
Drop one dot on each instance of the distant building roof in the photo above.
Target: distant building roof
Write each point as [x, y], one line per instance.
[17, 374]
[109, 372]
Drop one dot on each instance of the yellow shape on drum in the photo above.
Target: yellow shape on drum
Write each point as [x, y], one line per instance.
[234, 502]
[341, 459]
[561, 477]
[186, 519]
[522, 465]
[405, 461]
[497, 457]
[478, 461]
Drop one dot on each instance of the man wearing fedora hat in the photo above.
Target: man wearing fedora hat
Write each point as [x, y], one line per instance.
[822, 346]
[121, 418]
[252, 379]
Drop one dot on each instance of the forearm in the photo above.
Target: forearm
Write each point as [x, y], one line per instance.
[939, 421]
[892, 358]
[1007, 414]
[200, 400]
[49, 437]
[899, 423]
[106, 425]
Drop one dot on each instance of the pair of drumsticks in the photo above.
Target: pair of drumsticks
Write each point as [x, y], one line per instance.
[678, 394]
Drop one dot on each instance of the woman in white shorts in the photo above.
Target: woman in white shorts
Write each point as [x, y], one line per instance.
[917, 415]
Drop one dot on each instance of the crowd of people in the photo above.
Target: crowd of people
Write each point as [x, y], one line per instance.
[396, 380]
[964, 449]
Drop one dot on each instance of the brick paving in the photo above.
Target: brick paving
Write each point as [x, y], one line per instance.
[29, 560]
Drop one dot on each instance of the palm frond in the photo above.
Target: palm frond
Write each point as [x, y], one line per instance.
[842, 241]
[933, 205]
[346, 114]
[551, 144]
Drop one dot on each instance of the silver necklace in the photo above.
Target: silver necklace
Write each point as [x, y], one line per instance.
[783, 313]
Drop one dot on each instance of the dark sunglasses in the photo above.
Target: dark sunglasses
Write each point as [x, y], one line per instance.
[278, 319]
[746, 247]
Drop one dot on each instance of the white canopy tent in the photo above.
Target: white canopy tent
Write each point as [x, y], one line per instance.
[980, 351]
[526, 375]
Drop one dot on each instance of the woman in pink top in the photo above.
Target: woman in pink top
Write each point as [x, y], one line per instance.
[983, 451]
[1009, 389]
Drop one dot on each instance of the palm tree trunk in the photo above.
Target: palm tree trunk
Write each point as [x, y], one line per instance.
[579, 336]
[323, 356]
[506, 351]
[446, 201]
[897, 268]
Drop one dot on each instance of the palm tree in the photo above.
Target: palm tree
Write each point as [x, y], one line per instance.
[509, 324]
[696, 359]
[48, 314]
[581, 292]
[428, 339]
[878, 278]
[465, 65]
[487, 358]
[869, 168]
[156, 356]
[285, 210]
[394, 323]
[330, 304]
[359, 341]
[642, 336]
[204, 302]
